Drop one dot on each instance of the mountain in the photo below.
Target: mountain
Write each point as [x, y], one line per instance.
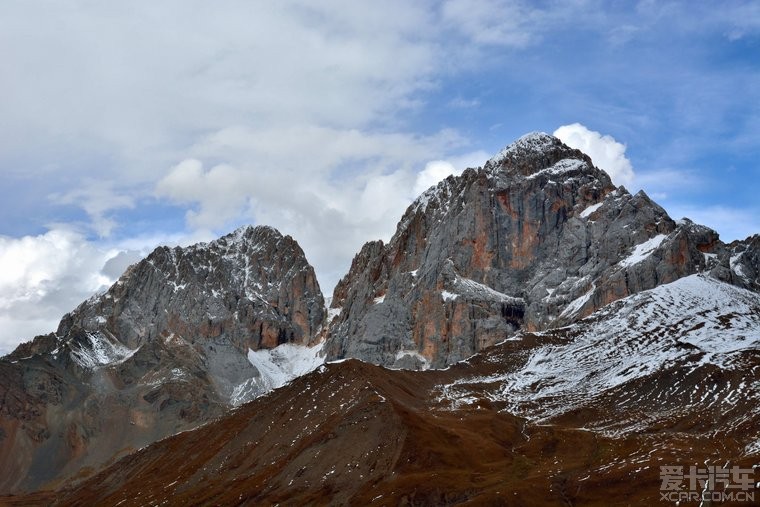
[579, 415]
[172, 344]
[574, 339]
[682, 356]
[537, 238]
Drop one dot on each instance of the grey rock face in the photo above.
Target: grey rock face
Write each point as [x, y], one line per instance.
[162, 350]
[739, 263]
[538, 237]
[252, 288]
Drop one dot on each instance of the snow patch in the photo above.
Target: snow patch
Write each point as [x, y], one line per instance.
[644, 250]
[414, 354]
[736, 267]
[562, 167]
[578, 303]
[588, 211]
[753, 447]
[277, 367]
[532, 142]
[332, 313]
[99, 351]
[448, 296]
[478, 291]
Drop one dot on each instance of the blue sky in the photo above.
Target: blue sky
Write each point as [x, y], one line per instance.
[127, 126]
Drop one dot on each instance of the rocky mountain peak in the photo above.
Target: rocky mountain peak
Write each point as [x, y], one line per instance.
[211, 287]
[178, 339]
[259, 234]
[537, 152]
[531, 144]
[536, 162]
[538, 237]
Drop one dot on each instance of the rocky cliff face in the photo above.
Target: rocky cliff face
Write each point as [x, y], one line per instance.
[164, 349]
[538, 237]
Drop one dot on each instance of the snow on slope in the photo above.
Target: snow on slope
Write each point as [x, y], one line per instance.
[98, 351]
[478, 291]
[473, 290]
[531, 142]
[277, 367]
[693, 325]
[644, 250]
[562, 167]
[588, 211]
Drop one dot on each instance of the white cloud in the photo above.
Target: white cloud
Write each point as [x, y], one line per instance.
[438, 170]
[97, 198]
[604, 150]
[622, 34]
[44, 277]
[463, 103]
[115, 266]
[221, 192]
[668, 181]
[434, 172]
[99, 93]
[201, 67]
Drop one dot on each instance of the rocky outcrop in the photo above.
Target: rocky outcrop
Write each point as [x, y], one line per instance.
[538, 237]
[163, 350]
[739, 263]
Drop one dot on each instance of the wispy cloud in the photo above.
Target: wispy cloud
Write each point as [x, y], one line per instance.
[463, 103]
[97, 199]
[492, 22]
